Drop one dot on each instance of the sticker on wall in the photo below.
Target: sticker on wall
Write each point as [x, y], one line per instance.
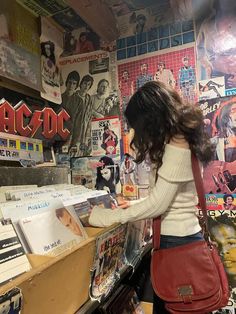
[212, 88]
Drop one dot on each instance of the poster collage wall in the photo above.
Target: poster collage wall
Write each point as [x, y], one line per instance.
[90, 95]
[189, 45]
[202, 71]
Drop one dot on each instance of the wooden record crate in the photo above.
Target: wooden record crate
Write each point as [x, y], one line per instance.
[57, 284]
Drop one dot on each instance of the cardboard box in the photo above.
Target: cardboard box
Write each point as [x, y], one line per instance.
[57, 284]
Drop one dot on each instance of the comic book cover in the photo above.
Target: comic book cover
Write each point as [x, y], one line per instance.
[105, 136]
[100, 173]
[220, 174]
[108, 261]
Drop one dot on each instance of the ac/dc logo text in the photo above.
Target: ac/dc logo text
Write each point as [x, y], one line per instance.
[13, 121]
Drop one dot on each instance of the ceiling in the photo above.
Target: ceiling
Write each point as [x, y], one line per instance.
[102, 16]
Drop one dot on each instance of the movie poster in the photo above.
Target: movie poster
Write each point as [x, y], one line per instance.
[216, 41]
[219, 118]
[175, 68]
[88, 92]
[51, 41]
[106, 136]
[108, 262]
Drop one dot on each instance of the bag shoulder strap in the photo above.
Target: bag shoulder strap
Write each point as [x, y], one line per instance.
[201, 198]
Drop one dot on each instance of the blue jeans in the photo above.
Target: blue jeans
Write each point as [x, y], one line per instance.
[168, 242]
[172, 241]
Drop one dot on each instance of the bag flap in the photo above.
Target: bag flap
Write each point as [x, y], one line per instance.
[186, 271]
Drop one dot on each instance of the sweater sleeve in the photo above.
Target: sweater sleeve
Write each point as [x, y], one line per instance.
[154, 205]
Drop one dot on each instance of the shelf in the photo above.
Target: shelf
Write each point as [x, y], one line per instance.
[90, 306]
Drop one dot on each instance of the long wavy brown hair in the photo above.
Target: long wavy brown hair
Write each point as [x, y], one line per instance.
[157, 114]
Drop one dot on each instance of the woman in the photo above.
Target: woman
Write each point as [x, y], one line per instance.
[167, 130]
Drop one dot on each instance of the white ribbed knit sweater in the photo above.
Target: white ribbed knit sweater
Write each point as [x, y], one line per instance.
[173, 196]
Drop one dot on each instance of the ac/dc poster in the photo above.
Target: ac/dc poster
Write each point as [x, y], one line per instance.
[108, 262]
[175, 68]
[219, 119]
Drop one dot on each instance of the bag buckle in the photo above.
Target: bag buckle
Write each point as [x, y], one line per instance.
[185, 292]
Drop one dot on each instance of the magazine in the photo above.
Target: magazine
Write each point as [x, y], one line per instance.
[139, 234]
[222, 229]
[106, 136]
[58, 228]
[81, 205]
[109, 260]
[12, 255]
[105, 201]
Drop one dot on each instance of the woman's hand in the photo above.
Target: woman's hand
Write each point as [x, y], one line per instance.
[124, 205]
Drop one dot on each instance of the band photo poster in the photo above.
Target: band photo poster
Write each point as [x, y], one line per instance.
[175, 68]
[88, 92]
